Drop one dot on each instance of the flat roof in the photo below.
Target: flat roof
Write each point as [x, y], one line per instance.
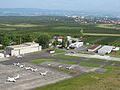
[106, 49]
[94, 47]
[22, 45]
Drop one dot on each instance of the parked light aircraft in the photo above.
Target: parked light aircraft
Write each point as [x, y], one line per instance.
[13, 79]
[33, 69]
[43, 74]
[70, 67]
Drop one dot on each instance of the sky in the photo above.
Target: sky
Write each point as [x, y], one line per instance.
[85, 5]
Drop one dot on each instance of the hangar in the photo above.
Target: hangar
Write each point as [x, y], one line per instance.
[22, 49]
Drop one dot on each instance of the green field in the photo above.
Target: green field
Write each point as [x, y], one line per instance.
[39, 61]
[89, 64]
[91, 81]
[94, 34]
[110, 26]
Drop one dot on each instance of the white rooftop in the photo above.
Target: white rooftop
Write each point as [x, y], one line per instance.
[23, 45]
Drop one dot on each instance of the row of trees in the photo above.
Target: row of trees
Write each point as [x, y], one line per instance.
[42, 39]
[15, 39]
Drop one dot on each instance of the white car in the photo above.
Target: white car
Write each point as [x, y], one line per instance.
[19, 56]
[7, 56]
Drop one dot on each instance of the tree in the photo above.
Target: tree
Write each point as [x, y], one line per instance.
[5, 41]
[81, 33]
[43, 40]
[64, 42]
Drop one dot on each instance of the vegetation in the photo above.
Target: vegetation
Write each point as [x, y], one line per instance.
[66, 57]
[24, 29]
[107, 81]
[68, 62]
[89, 64]
[39, 61]
[43, 40]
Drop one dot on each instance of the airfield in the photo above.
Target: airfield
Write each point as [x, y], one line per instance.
[56, 71]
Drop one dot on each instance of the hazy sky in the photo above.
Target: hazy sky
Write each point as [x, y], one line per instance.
[106, 5]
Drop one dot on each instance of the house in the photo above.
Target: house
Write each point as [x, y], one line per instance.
[22, 49]
[105, 50]
[76, 45]
[94, 48]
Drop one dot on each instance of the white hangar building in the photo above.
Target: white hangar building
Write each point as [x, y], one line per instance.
[22, 49]
[105, 50]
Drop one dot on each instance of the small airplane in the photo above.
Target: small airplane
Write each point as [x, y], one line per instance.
[49, 64]
[69, 68]
[43, 74]
[34, 69]
[60, 66]
[28, 68]
[16, 64]
[13, 79]
[21, 66]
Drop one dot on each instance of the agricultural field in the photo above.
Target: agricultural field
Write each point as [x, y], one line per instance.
[50, 24]
[56, 25]
[111, 26]
[104, 40]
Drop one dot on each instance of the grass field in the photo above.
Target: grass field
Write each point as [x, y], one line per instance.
[59, 51]
[89, 64]
[66, 57]
[107, 81]
[39, 61]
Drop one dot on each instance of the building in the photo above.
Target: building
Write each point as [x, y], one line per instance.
[116, 49]
[94, 48]
[70, 39]
[58, 38]
[105, 50]
[2, 55]
[76, 45]
[22, 49]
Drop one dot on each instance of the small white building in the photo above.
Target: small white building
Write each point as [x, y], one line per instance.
[76, 45]
[2, 55]
[105, 50]
[22, 49]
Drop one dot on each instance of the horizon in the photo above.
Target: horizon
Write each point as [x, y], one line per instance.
[78, 5]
